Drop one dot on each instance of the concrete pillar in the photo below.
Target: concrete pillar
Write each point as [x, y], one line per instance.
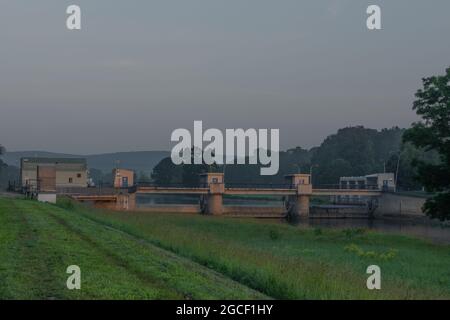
[215, 206]
[299, 204]
[214, 198]
[131, 201]
[126, 202]
[303, 206]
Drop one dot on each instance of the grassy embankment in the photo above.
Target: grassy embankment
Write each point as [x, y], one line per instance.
[39, 241]
[127, 255]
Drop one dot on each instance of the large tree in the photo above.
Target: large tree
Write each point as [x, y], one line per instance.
[354, 151]
[432, 132]
[2, 151]
[165, 173]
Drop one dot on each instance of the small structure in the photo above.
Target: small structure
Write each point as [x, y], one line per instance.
[211, 177]
[53, 173]
[298, 204]
[377, 181]
[123, 178]
[213, 202]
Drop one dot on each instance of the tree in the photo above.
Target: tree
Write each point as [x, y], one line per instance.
[166, 173]
[2, 151]
[401, 162]
[191, 172]
[354, 151]
[433, 133]
[144, 178]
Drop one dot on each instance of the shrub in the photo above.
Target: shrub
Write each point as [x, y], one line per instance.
[352, 233]
[274, 234]
[318, 231]
[65, 203]
[388, 255]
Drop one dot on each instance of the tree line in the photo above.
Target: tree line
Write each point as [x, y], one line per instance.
[352, 151]
[419, 156]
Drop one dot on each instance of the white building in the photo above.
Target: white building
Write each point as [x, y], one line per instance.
[376, 181]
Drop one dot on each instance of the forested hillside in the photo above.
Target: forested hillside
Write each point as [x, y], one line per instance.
[352, 151]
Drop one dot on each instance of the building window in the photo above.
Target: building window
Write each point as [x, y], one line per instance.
[78, 175]
[70, 180]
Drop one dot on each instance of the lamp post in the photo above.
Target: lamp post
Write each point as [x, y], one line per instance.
[397, 168]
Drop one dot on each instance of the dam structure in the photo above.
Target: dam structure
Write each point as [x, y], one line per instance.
[296, 195]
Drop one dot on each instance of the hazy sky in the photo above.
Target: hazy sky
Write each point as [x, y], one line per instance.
[140, 69]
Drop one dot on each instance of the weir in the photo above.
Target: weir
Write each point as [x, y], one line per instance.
[296, 193]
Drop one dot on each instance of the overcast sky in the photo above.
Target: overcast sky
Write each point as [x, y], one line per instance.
[140, 69]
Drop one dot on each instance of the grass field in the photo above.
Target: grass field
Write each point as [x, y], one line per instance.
[161, 256]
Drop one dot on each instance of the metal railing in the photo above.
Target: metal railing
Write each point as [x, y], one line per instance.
[259, 185]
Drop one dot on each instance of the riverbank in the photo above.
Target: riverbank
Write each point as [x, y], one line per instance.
[39, 241]
[251, 258]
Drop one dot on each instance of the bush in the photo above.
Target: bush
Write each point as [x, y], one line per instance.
[318, 231]
[352, 233]
[388, 255]
[274, 234]
[65, 203]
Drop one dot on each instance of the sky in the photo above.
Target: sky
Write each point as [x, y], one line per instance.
[137, 70]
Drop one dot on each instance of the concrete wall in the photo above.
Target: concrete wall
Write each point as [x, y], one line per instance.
[78, 178]
[393, 204]
[187, 209]
[29, 176]
[47, 197]
[47, 178]
[244, 211]
[337, 213]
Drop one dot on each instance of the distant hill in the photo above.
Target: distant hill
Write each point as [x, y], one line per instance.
[139, 161]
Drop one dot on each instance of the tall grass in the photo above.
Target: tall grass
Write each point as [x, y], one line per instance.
[288, 262]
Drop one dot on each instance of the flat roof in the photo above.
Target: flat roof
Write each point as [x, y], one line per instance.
[53, 160]
[62, 164]
[373, 175]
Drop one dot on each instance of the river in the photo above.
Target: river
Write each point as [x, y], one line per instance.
[421, 228]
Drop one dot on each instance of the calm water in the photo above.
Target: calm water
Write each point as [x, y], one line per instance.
[152, 200]
[418, 228]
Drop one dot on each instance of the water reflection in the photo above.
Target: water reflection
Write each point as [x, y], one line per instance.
[422, 228]
[169, 199]
[147, 200]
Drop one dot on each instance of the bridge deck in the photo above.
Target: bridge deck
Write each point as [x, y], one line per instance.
[95, 197]
[258, 191]
[112, 196]
[346, 192]
[169, 190]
